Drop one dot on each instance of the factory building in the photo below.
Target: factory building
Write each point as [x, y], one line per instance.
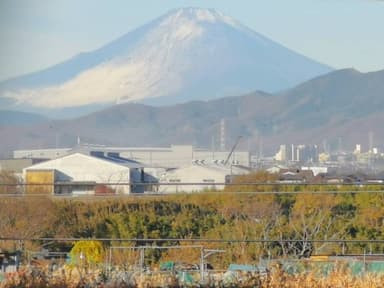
[196, 178]
[81, 174]
[173, 156]
[16, 166]
[297, 153]
[41, 153]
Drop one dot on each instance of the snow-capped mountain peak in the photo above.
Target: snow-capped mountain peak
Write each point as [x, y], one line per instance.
[187, 54]
[202, 15]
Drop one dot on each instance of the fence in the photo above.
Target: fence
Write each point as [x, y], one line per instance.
[361, 250]
[153, 188]
[133, 268]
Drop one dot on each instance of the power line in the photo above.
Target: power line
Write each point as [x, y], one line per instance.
[163, 194]
[193, 240]
[195, 183]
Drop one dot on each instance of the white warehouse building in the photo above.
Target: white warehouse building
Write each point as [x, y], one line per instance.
[80, 174]
[196, 178]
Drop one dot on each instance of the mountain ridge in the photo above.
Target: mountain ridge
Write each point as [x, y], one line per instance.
[295, 116]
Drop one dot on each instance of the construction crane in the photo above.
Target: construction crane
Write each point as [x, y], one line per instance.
[233, 149]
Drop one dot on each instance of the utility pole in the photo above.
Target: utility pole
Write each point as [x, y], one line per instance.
[204, 253]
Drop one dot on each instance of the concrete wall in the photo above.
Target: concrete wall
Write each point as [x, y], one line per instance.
[15, 165]
[41, 153]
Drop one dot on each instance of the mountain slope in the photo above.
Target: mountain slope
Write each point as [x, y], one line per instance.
[133, 124]
[337, 97]
[19, 118]
[187, 54]
[344, 104]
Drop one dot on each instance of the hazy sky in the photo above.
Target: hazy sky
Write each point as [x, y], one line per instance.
[35, 34]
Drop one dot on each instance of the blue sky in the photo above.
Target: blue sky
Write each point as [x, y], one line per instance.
[35, 34]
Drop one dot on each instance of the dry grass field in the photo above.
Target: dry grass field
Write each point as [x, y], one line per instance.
[74, 277]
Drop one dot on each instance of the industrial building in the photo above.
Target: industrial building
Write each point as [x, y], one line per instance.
[16, 166]
[81, 174]
[87, 169]
[297, 153]
[101, 173]
[173, 156]
[42, 153]
[195, 178]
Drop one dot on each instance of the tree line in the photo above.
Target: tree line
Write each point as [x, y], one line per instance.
[226, 215]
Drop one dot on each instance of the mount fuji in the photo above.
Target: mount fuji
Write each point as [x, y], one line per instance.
[187, 54]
